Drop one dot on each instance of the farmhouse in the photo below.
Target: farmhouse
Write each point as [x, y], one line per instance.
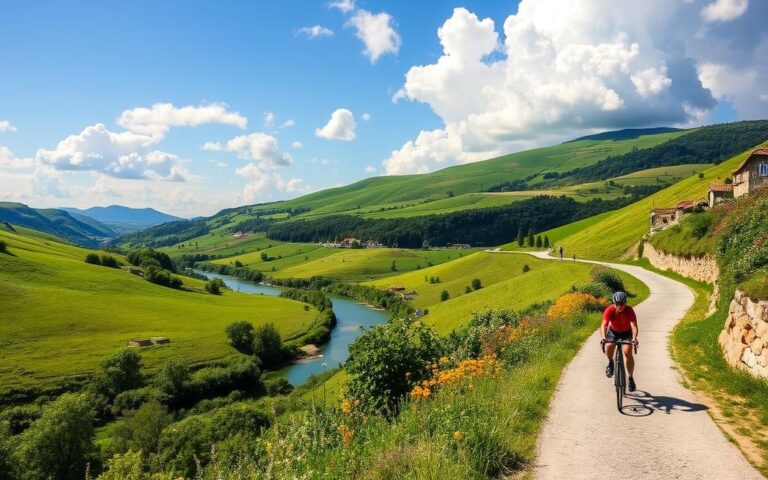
[460, 246]
[719, 193]
[753, 173]
[396, 288]
[349, 242]
[161, 340]
[139, 342]
[662, 218]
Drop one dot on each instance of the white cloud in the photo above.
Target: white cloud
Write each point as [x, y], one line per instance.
[157, 119]
[297, 145]
[724, 10]
[341, 126]
[315, 31]
[344, 6]
[5, 126]
[213, 146]
[11, 161]
[261, 181]
[651, 81]
[269, 119]
[261, 147]
[288, 123]
[377, 32]
[370, 169]
[154, 165]
[726, 82]
[366, 116]
[555, 73]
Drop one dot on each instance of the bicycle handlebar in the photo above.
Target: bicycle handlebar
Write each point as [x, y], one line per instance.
[617, 342]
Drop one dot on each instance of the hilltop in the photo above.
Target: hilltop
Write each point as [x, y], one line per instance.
[82, 231]
[123, 219]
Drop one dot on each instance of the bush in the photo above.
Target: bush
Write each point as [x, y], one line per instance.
[19, 418]
[467, 289]
[93, 259]
[172, 380]
[7, 444]
[131, 400]
[145, 257]
[109, 261]
[476, 284]
[573, 303]
[60, 443]
[214, 286]
[608, 278]
[387, 360]
[141, 430]
[237, 418]
[240, 373]
[278, 386]
[119, 372]
[241, 336]
[700, 224]
[444, 295]
[596, 289]
[3, 247]
[526, 268]
[267, 344]
[160, 276]
[182, 441]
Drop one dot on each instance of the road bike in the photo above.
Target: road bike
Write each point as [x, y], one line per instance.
[620, 374]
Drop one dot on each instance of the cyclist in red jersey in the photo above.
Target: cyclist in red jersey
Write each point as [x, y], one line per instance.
[620, 323]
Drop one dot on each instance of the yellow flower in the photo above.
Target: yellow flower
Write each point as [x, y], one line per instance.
[269, 447]
[457, 436]
[346, 407]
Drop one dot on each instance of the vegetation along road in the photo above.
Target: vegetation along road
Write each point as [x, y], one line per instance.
[667, 434]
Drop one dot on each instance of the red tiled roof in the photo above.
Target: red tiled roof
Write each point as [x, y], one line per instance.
[762, 152]
[685, 204]
[662, 211]
[721, 187]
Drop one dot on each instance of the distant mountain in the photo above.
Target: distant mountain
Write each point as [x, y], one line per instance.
[124, 219]
[626, 134]
[87, 232]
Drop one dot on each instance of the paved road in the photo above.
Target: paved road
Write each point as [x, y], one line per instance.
[585, 437]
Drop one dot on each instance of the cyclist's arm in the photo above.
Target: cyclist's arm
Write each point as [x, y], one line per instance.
[635, 330]
[604, 325]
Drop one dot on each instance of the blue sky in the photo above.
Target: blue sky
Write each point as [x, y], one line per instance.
[246, 79]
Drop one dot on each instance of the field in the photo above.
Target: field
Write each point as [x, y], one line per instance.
[61, 316]
[281, 256]
[616, 233]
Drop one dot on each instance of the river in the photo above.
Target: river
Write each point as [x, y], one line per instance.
[351, 316]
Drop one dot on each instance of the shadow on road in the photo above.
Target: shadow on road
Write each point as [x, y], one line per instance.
[663, 403]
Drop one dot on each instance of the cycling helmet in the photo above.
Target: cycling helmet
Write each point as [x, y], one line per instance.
[619, 298]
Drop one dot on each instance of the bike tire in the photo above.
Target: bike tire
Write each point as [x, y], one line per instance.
[620, 380]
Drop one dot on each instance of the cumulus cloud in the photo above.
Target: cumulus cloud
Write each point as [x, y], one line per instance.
[370, 169]
[377, 32]
[554, 70]
[341, 126]
[269, 119]
[213, 146]
[288, 123]
[297, 145]
[158, 119]
[5, 126]
[9, 160]
[315, 31]
[724, 10]
[366, 116]
[344, 6]
[262, 180]
[260, 147]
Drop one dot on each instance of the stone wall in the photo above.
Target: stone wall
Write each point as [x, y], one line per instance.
[703, 269]
[744, 339]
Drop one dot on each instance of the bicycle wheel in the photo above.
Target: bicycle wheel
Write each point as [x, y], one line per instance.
[620, 387]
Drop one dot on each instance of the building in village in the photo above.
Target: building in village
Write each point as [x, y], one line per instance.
[752, 174]
[662, 218]
[719, 193]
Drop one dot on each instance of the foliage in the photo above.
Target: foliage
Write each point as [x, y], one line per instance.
[239, 373]
[93, 259]
[278, 386]
[526, 268]
[127, 466]
[742, 237]
[444, 295]
[572, 303]
[148, 256]
[214, 286]
[608, 278]
[140, 431]
[3, 247]
[166, 234]
[60, 443]
[119, 372]
[19, 417]
[7, 464]
[386, 360]
[161, 277]
[243, 273]
[131, 400]
[267, 344]
[692, 236]
[172, 380]
[109, 261]
[476, 284]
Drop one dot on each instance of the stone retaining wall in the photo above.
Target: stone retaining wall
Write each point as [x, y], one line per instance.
[703, 269]
[744, 339]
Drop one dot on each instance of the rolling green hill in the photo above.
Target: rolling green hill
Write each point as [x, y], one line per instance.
[86, 232]
[61, 316]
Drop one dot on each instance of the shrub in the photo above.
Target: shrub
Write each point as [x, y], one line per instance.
[596, 289]
[608, 278]
[145, 257]
[572, 303]
[60, 443]
[172, 379]
[387, 360]
[19, 418]
[278, 386]
[109, 261]
[267, 344]
[93, 259]
[700, 224]
[119, 372]
[182, 441]
[444, 295]
[214, 286]
[240, 373]
[526, 268]
[4, 247]
[7, 443]
[476, 284]
[240, 335]
[161, 277]
[237, 418]
[141, 430]
[467, 289]
[131, 400]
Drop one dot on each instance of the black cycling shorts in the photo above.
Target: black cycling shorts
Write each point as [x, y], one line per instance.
[612, 336]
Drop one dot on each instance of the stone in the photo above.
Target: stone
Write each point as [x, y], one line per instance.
[754, 310]
[756, 346]
[748, 358]
[761, 329]
[748, 336]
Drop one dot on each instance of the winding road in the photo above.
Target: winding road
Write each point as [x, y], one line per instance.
[666, 435]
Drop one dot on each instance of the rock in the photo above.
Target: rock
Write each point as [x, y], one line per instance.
[761, 329]
[756, 346]
[748, 358]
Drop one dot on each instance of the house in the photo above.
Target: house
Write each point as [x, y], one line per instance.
[719, 193]
[238, 235]
[349, 242]
[662, 218]
[460, 246]
[139, 342]
[752, 174]
[161, 340]
[396, 288]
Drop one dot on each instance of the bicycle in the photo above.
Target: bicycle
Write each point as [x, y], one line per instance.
[619, 376]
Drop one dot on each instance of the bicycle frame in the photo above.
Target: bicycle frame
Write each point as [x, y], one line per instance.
[619, 375]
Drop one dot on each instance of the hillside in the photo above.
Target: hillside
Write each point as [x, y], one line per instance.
[123, 219]
[56, 222]
[61, 316]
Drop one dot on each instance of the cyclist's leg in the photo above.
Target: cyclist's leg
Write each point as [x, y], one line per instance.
[629, 359]
[610, 349]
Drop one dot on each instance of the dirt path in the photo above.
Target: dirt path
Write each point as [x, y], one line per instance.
[668, 435]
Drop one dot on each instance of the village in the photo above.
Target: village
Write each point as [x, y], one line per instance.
[750, 175]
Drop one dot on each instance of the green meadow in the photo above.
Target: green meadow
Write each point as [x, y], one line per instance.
[61, 316]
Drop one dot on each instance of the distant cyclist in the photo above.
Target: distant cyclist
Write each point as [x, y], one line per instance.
[620, 323]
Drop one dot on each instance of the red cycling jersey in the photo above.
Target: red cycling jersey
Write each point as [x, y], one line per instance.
[619, 321]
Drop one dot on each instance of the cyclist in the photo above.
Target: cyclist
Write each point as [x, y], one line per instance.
[619, 323]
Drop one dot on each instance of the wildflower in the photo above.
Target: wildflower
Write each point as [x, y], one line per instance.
[346, 434]
[457, 436]
[571, 303]
[357, 402]
[269, 447]
[346, 407]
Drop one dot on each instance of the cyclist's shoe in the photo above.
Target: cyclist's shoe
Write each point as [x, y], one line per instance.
[609, 370]
[632, 386]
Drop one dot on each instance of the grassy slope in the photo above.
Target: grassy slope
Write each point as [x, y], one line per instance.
[61, 316]
[285, 255]
[611, 237]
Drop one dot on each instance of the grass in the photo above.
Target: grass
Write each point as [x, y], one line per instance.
[656, 176]
[616, 233]
[757, 285]
[282, 255]
[61, 316]
[357, 265]
[680, 240]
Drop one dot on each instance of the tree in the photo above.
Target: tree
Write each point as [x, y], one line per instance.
[60, 443]
[214, 286]
[93, 259]
[476, 284]
[172, 379]
[546, 242]
[3, 247]
[241, 335]
[467, 289]
[539, 242]
[444, 295]
[264, 257]
[119, 372]
[394, 266]
[520, 238]
[141, 431]
[531, 240]
[526, 268]
[109, 261]
[267, 344]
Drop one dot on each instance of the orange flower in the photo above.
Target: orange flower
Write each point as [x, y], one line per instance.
[457, 436]
[571, 303]
[346, 407]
